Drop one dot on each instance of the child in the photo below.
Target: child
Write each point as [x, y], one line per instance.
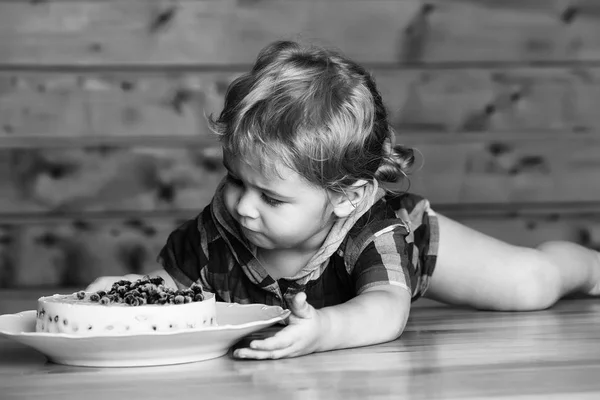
[302, 219]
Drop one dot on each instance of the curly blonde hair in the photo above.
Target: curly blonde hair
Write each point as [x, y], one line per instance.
[315, 111]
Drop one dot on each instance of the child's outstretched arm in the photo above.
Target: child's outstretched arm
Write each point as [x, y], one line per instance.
[377, 315]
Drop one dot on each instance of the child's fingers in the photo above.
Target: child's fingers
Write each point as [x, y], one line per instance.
[300, 307]
[281, 340]
[263, 354]
[278, 346]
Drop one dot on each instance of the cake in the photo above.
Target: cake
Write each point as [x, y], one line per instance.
[142, 306]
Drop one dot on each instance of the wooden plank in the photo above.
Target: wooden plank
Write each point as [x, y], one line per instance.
[445, 352]
[174, 103]
[76, 252]
[97, 179]
[232, 31]
[447, 171]
[73, 252]
[207, 32]
[531, 169]
[109, 104]
[492, 99]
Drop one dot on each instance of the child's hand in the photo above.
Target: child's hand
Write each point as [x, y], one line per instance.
[301, 335]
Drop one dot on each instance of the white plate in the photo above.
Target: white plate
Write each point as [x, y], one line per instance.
[157, 348]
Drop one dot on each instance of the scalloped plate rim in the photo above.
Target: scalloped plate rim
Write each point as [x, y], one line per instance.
[283, 314]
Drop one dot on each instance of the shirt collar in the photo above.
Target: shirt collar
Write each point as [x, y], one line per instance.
[245, 252]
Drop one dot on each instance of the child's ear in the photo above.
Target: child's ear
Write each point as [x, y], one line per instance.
[346, 202]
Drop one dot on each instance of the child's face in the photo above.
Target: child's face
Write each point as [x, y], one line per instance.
[283, 211]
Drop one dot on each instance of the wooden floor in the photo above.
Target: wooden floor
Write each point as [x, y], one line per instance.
[445, 353]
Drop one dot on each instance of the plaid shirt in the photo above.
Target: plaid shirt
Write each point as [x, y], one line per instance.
[393, 241]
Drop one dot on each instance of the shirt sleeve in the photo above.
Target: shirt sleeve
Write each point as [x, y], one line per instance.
[384, 261]
[183, 256]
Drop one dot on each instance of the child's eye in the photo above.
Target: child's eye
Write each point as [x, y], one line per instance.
[271, 201]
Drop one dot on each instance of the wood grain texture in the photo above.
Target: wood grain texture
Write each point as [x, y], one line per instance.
[102, 114]
[445, 352]
[78, 250]
[448, 170]
[175, 103]
[105, 104]
[108, 178]
[501, 99]
[232, 31]
[528, 169]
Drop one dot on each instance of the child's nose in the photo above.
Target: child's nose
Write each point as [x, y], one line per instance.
[245, 206]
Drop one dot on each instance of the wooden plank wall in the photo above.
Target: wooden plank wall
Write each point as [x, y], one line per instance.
[104, 147]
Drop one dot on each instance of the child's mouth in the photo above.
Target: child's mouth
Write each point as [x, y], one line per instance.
[249, 232]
